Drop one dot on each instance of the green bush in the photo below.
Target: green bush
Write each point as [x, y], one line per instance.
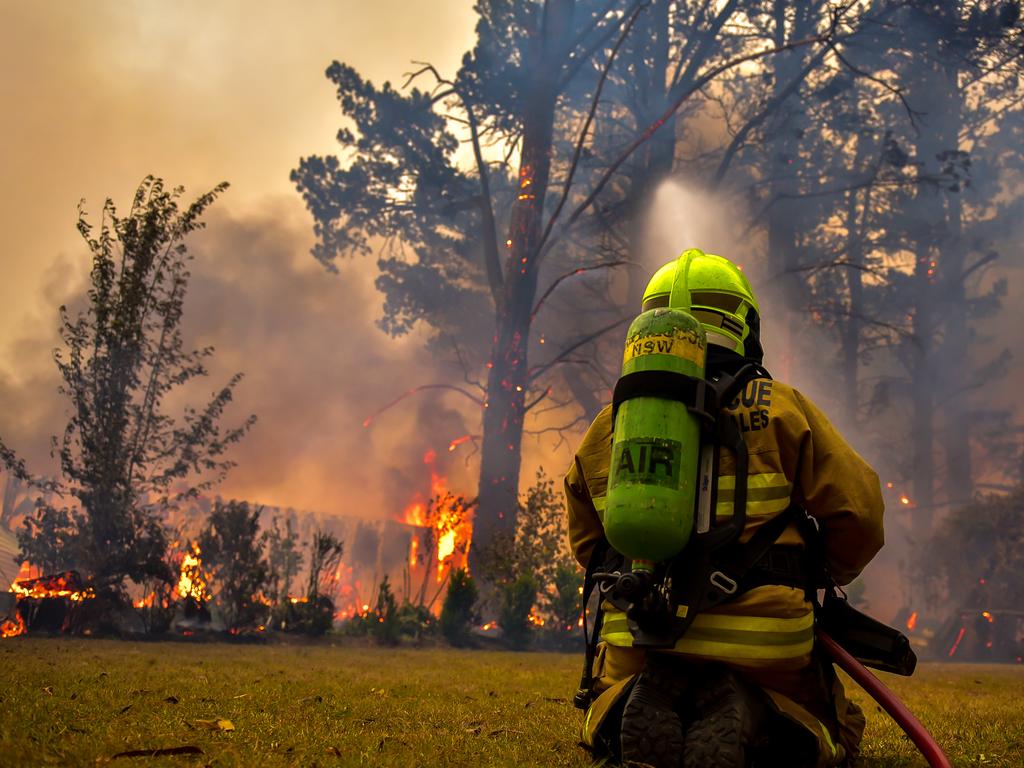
[517, 598]
[458, 613]
[385, 627]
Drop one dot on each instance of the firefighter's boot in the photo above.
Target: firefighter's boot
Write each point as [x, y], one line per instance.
[652, 730]
[727, 724]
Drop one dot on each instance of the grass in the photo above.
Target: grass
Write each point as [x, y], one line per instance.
[81, 702]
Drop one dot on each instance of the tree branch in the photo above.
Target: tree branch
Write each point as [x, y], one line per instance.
[415, 390]
[578, 150]
[542, 369]
[577, 271]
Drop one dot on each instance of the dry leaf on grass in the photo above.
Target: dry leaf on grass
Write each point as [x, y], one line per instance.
[215, 725]
[188, 749]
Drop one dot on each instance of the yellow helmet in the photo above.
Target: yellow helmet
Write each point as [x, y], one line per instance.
[720, 297]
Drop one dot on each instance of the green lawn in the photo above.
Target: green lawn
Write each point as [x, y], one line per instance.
[81, 702]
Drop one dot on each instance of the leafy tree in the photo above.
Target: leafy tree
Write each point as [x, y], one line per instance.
[50, 538]
[976, 557]
[122, 456]
[284, 558]
[232, 550]
[457, 613]
[539, 550]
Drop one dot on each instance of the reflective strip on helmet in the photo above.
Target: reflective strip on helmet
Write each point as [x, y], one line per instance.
[729, 637]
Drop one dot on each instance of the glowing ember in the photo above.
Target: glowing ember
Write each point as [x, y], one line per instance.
[458, 441]
[905, 501]
[489, 626]
[956, 643]
[988, 616]
[192, 584]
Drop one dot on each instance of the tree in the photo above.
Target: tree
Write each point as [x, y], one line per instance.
[283, 558]
[531, 89]
[325, 552]
[122, 456]
[233, 552]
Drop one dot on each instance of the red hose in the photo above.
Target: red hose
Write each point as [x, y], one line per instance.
[879, 692]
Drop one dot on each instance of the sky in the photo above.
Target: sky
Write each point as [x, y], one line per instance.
[98, 95]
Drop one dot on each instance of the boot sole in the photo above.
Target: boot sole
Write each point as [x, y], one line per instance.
[652, 731]
[723, 734]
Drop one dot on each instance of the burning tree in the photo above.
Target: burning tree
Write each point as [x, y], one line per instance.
[524, 104]
[123, 458]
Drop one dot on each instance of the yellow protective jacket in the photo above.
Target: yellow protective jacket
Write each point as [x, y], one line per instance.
[795, 454]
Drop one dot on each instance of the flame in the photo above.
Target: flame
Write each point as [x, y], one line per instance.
[145, 602]
[52, 586]
[12, 627]
[905, 500]
[912, 621]
[489, 626]
[447, 518]
[192, 584]
[988, 616]
[535, 618]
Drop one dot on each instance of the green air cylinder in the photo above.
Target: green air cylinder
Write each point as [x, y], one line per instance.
[652, 483]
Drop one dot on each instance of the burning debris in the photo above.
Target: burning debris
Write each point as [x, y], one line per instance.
[48, 603]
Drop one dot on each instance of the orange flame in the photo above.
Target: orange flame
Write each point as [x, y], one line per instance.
[191, 582]
[52, 586]
[447, 518]
[912, 621]
[12, 627]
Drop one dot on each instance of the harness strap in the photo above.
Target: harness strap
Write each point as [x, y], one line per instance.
[583, 696]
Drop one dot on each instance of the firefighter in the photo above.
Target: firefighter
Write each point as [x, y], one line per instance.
[744, 684]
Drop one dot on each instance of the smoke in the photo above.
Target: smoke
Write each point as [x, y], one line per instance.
[315, 367]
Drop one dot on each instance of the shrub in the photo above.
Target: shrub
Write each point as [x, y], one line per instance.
[457, 613]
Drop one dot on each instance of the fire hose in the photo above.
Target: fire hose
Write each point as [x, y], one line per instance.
[895, 708]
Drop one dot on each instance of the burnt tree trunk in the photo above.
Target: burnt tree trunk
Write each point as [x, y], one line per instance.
[507, 380]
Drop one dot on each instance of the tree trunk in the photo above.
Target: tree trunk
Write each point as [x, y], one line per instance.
[784, 131]
[934, 87]
[507, 381]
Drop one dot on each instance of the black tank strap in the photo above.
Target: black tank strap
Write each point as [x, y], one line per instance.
[694, 393]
